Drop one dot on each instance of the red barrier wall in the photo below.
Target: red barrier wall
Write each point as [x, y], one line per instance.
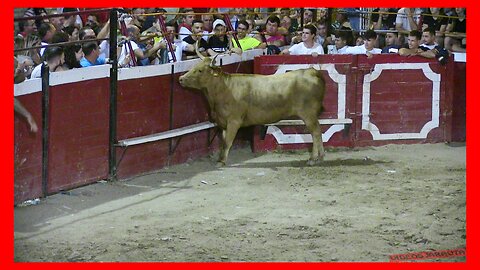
[144, 108]
[388, 99]
[78, 134]
[28, 151]
[340, 67]
[459, 103]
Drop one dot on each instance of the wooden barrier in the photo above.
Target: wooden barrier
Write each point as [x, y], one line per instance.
[150, 101]
[387, 99]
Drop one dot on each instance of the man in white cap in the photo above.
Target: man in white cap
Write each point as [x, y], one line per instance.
[218, 42]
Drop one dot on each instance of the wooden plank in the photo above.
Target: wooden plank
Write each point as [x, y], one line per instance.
[167, 134]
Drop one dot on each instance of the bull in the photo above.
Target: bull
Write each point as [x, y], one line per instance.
[240, 100]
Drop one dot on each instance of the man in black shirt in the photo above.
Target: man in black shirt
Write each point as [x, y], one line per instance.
[384, 21]
[197, 30]
[219, 42]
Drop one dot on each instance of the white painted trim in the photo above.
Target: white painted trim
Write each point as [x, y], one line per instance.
[301, 138]
[144, 71]
[320, 121]
[460, 57]
[167, 134]
[337, 124]
[103, 71]
[27, 87]
[63, 77]
[427, 71]
[79, 74]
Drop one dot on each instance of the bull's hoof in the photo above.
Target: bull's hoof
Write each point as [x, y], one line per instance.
[313, 162]
[220, 164]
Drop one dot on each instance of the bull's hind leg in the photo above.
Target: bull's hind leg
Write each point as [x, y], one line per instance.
[228, 137]
[222, 147]
[317, 150]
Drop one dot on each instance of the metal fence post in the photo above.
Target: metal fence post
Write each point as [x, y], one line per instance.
[112, 155]
[45, 126]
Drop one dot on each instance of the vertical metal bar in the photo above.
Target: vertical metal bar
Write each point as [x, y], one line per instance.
[163, 28]
[230, 28]
[112, 119]
[172, 83]
[45, 126]
[124, 31]
[302, 11]
[329, 21]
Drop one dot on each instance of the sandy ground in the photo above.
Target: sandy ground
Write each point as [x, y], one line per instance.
[359, 205]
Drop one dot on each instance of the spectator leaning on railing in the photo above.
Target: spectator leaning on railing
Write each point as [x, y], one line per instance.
[55, 59]
[141, 52]
[246, 42]
[218, 42]
[271, 36]
[428, 38]
[341, 43]
[392, 44]
[414, 48]
[308, 44]
[367, 48]
[92, 55]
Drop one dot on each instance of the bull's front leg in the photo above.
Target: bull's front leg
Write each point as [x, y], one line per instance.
[228, 137]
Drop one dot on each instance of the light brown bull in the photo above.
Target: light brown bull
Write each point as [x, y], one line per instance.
[240, 100]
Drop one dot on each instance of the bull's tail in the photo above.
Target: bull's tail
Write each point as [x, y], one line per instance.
[320, 111]
[322, 88]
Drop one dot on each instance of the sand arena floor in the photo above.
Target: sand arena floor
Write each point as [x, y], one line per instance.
[359, 205]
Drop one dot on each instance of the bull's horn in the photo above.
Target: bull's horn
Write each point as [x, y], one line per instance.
[196, 49]
[212, 64]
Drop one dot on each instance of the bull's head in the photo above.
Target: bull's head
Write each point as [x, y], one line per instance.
[199, 76]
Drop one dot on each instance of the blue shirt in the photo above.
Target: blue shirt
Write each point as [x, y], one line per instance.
[85, 63]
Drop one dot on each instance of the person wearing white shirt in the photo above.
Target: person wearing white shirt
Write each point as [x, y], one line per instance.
[340, 47]
[185, 28]
[308, 45]
[367, 48]
[407, 19]
[178, 45]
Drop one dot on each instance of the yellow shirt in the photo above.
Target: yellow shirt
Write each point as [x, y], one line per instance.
[247, 43]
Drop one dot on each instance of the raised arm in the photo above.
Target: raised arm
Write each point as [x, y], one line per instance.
[105, 31]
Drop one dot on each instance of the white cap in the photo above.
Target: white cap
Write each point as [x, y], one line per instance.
[217, 22]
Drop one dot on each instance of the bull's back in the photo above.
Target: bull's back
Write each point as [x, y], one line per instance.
[271, 98]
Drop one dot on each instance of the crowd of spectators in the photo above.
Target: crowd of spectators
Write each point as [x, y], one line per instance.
[141, 41]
